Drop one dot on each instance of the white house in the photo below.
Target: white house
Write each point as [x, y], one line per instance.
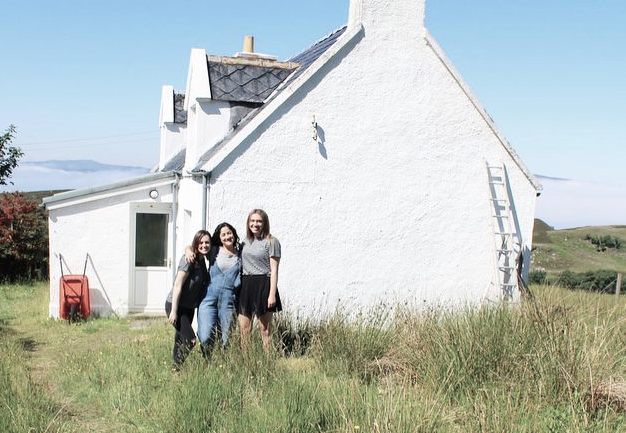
[384, 178]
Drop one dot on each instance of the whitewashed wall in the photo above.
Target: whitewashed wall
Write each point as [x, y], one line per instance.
[100, 227]
[391, 203]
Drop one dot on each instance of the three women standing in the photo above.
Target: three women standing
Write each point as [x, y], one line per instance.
[244, 280]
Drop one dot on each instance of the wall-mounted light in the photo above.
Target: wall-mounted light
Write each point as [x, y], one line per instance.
[154, 194]
[314, 127]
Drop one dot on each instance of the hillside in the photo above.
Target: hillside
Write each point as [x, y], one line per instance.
[39, 195]
[557, 250]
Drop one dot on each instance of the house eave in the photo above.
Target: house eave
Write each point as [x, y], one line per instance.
[73, 197]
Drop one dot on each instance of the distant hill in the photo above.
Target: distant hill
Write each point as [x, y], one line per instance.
[68, 175]
[540, 231]
[557, 250]
[82, 165]
[38, 195]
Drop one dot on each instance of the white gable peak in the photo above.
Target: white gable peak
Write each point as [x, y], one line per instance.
[388, 19]
[198, 86]
[166, 115]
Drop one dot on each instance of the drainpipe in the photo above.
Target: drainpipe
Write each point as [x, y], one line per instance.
[206, 176]
[174, 217]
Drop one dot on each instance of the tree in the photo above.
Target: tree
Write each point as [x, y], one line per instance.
[23, 238]
[9, 155]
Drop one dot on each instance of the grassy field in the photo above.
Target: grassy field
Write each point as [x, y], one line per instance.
[543, 367]
[557, 250]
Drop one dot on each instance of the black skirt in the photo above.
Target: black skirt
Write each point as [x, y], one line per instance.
[252, 297]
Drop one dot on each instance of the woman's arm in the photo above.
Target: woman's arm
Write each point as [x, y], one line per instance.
[271, 300]
[181, 276]
[190, 256]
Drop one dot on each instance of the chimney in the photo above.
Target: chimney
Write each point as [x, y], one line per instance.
[383, 19]
[248, 50]
[248, 44]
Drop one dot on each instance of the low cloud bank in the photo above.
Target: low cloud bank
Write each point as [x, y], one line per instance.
[38, 177]
[563, 203]
[567, 203]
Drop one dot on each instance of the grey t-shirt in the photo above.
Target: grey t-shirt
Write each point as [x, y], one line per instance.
[225, 260]
[255, 256]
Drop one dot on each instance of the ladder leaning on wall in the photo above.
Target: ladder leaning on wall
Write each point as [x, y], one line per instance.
[504, 233]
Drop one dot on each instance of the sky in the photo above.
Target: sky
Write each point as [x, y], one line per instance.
[82, 80]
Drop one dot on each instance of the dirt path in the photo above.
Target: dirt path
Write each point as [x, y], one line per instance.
[45, 352]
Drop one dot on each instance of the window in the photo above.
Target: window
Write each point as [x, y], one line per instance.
[151, 239]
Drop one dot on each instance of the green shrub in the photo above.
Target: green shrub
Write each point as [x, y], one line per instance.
[596, 281]
[537, 277]
[604, 242]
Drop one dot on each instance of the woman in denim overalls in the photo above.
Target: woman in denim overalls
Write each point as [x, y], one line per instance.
[217, 309]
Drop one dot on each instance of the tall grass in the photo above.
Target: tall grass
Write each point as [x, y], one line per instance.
[24, 405]
[490, 369]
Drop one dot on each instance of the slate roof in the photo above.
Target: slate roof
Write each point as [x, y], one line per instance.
[245, 80]
[301, 61]
[180, 114]
[177, 162]
[305, 58]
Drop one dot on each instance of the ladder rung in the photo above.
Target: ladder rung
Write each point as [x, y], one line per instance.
[498, 199]
[500, 216]
[504, 250]
[508, 285]
[506, 267]
[499, 167]
[503, 234]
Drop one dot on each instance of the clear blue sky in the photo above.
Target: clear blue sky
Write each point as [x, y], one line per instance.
[82, 79]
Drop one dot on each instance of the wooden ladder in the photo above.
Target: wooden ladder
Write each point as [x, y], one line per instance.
[504, 233]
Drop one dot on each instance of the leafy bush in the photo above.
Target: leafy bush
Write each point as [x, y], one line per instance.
[597, 281]
[604, 242]
[23, 239]
[538, 277]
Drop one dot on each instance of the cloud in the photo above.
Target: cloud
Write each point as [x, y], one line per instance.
[566, 203]
[563, 203]
[46, 176]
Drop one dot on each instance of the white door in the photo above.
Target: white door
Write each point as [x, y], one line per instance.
[151, 261]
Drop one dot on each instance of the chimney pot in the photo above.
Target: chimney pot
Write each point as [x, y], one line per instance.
[248, 44]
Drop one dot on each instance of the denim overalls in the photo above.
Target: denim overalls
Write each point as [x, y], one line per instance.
[218, 304]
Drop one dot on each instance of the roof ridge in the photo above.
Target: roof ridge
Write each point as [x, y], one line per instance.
[320, 40]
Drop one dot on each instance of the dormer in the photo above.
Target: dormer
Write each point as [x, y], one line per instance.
[220, 92]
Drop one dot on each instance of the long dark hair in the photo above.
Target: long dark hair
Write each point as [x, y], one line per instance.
[215, 239]
[265, 230]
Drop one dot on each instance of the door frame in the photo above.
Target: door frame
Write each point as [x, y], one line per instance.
[154, 208]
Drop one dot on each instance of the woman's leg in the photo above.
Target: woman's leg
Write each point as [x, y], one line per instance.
[226, 312]
[265, 326]
[177, 339]
[207, 321]
[245, 328]
[185, 335]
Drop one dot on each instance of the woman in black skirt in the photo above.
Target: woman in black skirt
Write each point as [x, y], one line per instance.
[259, 292]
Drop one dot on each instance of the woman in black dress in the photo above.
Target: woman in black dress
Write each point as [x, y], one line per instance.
[189, 289]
